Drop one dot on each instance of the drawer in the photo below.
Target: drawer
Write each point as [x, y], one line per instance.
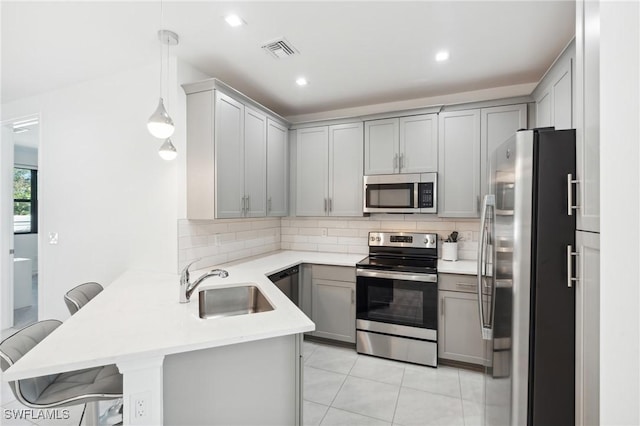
[460, 282]
[334, 273]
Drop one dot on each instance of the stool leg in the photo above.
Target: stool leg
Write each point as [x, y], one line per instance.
[91, 413]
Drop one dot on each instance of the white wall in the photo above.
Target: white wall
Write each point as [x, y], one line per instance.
[103, 188]
[620, 213]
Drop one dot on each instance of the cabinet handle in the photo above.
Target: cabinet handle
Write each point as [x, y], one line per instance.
[330, 204]
[325, 205]
[442, 307]
[570, 255]
[353, 296]
[248, 204]
[570, 206]
[242, 206]
[395, 162]
[401, 162]
[268, 204]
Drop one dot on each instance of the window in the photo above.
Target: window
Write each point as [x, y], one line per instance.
[25, 201]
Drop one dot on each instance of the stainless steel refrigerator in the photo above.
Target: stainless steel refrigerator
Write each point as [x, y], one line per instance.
[528, 323]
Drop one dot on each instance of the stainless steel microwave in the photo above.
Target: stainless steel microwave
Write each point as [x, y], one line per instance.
[401, 193]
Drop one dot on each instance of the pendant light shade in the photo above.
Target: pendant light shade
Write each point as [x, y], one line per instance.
[167, 150]
[160, 124]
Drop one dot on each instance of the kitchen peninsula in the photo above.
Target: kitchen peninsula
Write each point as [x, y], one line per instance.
[189, 370]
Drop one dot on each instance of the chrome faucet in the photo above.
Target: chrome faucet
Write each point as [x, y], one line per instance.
[187, 288]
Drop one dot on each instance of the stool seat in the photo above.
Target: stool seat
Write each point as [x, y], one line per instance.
[80, 295]
[89, 385]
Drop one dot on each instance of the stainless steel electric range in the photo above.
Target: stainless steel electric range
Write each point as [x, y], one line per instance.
[397, 298]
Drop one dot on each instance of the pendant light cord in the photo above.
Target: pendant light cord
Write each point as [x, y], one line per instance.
[161, 43]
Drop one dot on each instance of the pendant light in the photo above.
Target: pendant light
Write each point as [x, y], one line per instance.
[160, 123]
[167, 150]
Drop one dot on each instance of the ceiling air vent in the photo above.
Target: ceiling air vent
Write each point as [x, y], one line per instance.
[280, 48]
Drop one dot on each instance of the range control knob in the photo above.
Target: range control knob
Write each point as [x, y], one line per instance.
[372, 238]
[377, 238]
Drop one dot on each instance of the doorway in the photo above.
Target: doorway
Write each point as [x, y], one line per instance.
[20, 145]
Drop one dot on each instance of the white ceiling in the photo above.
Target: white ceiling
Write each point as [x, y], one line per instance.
[352, 53]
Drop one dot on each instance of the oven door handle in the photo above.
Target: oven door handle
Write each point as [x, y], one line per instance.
[404, 276]
[489, 201]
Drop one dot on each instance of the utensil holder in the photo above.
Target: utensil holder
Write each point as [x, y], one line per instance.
[450, 251]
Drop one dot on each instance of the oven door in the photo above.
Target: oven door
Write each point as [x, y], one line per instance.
[397, 298]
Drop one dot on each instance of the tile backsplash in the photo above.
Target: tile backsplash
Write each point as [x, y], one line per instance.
[225, 240]
[349, 235]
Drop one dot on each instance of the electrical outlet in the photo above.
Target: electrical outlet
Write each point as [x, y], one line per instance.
[140, 405]
[53, 238]
[324, 232]
[467, 236]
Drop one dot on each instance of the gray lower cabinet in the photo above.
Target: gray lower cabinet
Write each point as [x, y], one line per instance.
[459, 337]
[333, 302]
[588, 328]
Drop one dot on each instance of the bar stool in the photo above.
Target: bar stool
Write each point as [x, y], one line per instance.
[80, 295]
[87, 386]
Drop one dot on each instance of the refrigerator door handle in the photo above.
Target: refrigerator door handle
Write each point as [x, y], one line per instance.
[489, 201]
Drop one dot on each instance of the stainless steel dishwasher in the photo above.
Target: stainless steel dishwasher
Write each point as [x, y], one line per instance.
[287, 282]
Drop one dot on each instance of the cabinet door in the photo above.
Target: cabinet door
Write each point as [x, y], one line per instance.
[201, 181]
[255, 162]
[312, 169]
[588, 116]
[459, 336]
[497, 125]
[543, 110]
[588, 329]
[334, 309]
[229, 153]
[345, 170]
[419, 144]
[277, 167]
[459, 164]
[562, 111]
[381, 145]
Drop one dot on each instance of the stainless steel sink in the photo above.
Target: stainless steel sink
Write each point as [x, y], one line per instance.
[229, 301]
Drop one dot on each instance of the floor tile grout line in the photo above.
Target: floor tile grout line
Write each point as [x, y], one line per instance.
[395, 408]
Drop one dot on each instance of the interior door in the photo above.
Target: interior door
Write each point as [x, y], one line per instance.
[6, 225]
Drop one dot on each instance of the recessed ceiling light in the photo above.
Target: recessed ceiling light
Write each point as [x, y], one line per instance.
[301, 81]
[234, 20]
[442, 55]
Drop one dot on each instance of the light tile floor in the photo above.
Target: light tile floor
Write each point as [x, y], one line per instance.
[342, 387]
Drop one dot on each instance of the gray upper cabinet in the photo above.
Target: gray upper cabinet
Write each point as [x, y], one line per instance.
[401, 145]
[587, 116]
[255, 163]
[312, 171]
[459, 163]
[229, 155]
[277, 169]
[381, 139]
[345, 170]
[329, 170]
[497, 125]
[228, 172]
[554, 95]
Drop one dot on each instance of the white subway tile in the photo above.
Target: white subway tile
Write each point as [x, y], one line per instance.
[364, 232]
[216, 228]
[192, 241]
[239, 226]
[284, 245]
[338, 232]
[332, 248]
[285, 222]
[364, 224]
[289, 231]
[246, 235]
[398, 226]
[434, 226]
[232, 246]
[305, 223]
[467, 226]
[312, 231]
[364, 250]
[304, 246]
[353, 241]
[239, 254]
[335, 223]
[323, 240]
